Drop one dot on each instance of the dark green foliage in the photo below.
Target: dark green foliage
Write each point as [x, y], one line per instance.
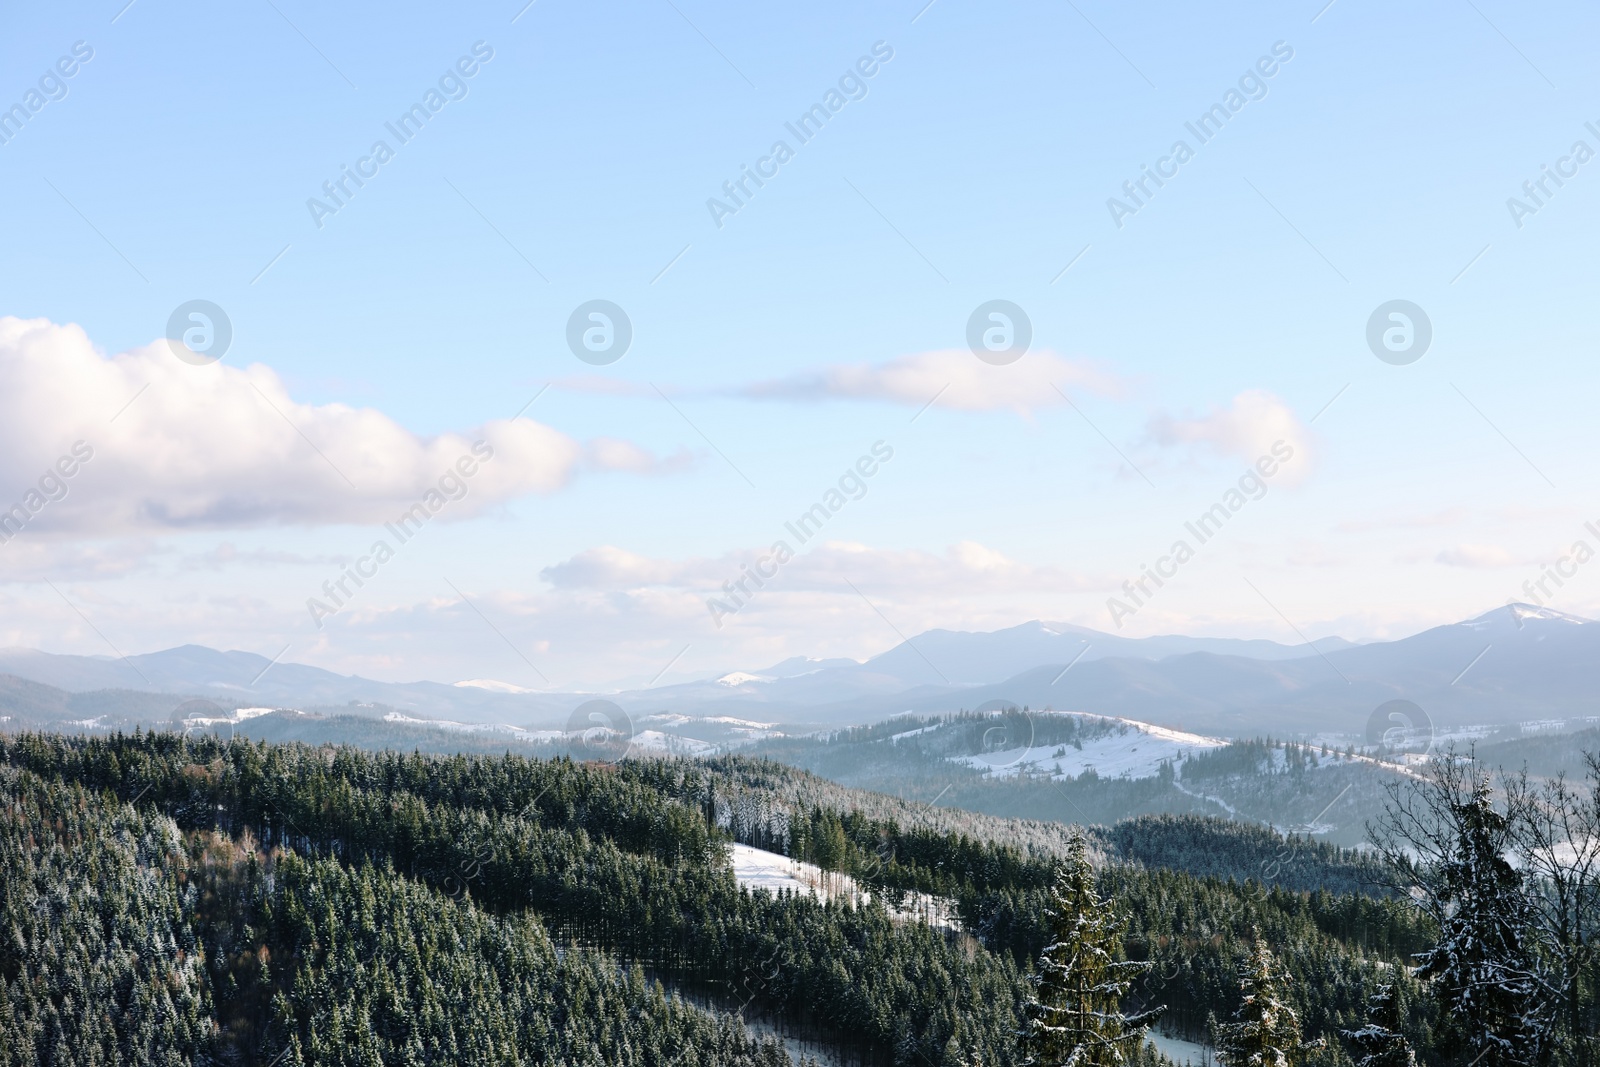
[127, 942]
[605, 856]
[1075, 1018]
[1481, 967]
[1265, 1031]
[1195, 929]
[1245, 853]
[1380, 1042]
[99, 960]
[1241, 757]
[627, 862]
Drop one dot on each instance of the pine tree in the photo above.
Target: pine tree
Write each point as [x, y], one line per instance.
[1075, 1018]
[1265, 1031]
[1380, 1043]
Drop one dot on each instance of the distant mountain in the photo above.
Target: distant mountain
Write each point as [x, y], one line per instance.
[955, 657]
[935, 671]
[1509, 665]
[25, 704]
[245, 679]
[798, 665]
[1512, 664]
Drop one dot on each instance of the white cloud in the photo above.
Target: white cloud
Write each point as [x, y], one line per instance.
[613, 454]
[1246, 430]
[1446, 517]
[964, 568]
[27, 559]
[227, 554]
[612, 614]
[177, 446]
[1479, 556]
[609, 567]
[959, 379]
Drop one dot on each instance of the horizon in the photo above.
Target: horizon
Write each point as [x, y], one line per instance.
[490, 684]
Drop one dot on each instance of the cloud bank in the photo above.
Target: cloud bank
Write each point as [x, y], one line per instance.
[177, 447]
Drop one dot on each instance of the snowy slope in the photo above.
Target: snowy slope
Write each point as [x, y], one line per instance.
[532, 737]
[1132, 749]
[1180, 1051]
[760, 869]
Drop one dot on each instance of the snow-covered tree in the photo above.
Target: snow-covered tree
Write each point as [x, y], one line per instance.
[1556, 828]
[1380, 1042]
[1265, 1031]
[1075, 1018]
[1489, 984]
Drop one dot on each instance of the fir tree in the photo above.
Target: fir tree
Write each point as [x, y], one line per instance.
[1265, 1031]
[1075, 1018]
[1481, 971]
[1380, 1043]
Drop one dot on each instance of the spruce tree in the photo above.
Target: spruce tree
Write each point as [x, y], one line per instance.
[1265, 1031]
[1481, 970]
[1380, 1043]
[1075, 1017]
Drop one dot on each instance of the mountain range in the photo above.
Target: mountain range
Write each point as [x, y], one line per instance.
[1513, 664]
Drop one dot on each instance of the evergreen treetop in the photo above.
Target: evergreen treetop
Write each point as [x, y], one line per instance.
[1075, 1018]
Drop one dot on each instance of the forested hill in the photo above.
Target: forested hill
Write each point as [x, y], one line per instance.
[128, 941]
[758, 798]
[171, 900]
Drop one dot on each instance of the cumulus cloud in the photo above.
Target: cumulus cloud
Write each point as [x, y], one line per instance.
[177, 446]
[1245, 430]
[959, 380]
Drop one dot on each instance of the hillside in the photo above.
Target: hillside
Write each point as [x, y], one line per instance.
[315, 868]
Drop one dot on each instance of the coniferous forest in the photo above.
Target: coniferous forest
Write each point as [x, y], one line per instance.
[181, 900]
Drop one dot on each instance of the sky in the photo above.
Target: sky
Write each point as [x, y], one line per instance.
[1016, 295]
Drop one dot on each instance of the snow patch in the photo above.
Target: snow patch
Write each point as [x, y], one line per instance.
[738, 678]
[492, 686]
[760, 869]
[654, 741]
[1136, 750]
[517, 732]
[1180, 1051]
[1521, 612]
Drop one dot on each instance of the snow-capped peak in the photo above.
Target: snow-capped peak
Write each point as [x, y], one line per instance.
[492, 686]
[1520, 614]
[1523, 612]
[738, 678]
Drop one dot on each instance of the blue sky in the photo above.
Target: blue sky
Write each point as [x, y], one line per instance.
[777, 348]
